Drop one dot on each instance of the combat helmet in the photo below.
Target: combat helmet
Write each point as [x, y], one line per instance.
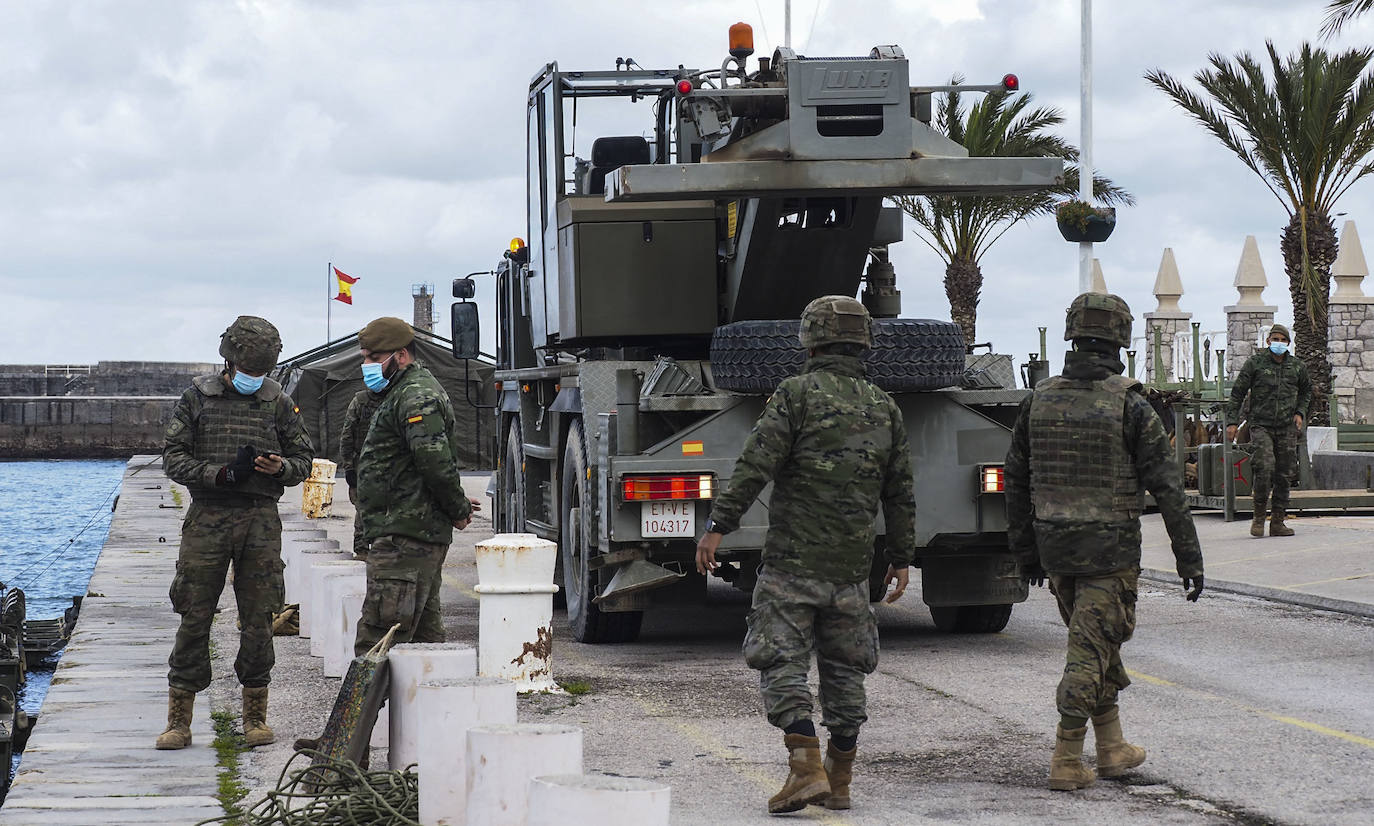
[1099, 316]
[251, 344]
[835, 319]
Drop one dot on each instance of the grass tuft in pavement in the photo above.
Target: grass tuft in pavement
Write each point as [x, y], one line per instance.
[228, 747]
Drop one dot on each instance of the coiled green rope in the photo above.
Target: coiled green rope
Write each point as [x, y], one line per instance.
[334, 793]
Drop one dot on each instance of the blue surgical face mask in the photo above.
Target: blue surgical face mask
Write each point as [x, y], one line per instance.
[246, 384]
[1278, 348]
[373, 375]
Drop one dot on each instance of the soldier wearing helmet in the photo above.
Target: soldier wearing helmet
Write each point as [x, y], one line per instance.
[835, 448]
[236, 442]
[410, 494]
[1085, 446]
[1280, 391]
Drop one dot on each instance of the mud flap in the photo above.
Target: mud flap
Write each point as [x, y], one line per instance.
[972, 580]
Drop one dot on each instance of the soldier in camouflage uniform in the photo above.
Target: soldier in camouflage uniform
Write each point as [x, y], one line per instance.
[410, 494]
[1085, 444]
[1280, 392]
[356, 420]
[235, 441]
[835, 447]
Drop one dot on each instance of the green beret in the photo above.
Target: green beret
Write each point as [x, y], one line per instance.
[382, 335]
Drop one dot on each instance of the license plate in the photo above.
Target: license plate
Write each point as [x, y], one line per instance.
[667, 519]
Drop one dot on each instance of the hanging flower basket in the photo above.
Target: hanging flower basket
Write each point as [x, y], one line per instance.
[1081, 221]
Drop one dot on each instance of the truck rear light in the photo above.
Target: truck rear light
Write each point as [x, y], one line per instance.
[646, 488]
[1011, 82]
[684, 87]
[992, 479]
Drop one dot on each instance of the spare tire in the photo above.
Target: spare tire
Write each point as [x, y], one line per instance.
[908, 354]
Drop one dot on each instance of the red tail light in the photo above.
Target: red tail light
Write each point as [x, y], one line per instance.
[992, 479]
[645, 488]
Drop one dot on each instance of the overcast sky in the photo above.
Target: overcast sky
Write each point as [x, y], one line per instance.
[170, 165]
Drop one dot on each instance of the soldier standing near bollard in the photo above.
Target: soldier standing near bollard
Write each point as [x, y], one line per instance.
[410, 494]
[356, 420]
[1280, 392]
[1085, 444]
[236, 442]
[835, 447]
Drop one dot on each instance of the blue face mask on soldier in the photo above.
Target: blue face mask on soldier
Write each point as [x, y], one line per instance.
[246, 384]
[1278, 348]
[373, 375]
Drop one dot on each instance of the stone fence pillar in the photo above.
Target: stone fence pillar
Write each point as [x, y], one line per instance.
[1168, 318]
[1350, 333]
[1249, 318]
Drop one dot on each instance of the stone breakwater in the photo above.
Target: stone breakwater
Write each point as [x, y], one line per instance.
[82, 427]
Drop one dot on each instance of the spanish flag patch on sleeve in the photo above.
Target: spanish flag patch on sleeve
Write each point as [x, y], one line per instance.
[415, 419]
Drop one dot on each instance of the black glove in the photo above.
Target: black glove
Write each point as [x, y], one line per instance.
[351, 476]
[1033, 573]
[1195, 583]
[238, 470]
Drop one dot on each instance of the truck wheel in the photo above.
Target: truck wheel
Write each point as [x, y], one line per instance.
[512, 486]
[971, 619]
[588, 622]
[908, 354]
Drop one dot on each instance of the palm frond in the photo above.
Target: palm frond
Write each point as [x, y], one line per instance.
[1340, 12]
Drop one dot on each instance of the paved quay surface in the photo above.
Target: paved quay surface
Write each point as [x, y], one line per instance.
[90, 759]
[1253, 712]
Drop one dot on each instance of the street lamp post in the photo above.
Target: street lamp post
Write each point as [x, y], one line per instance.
[1085, 157]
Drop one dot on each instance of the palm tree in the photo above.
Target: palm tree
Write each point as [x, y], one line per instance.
[1306, 135]
[1340, 12]
[962, 228]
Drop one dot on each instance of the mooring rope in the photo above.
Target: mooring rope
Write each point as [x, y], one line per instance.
[334, 793]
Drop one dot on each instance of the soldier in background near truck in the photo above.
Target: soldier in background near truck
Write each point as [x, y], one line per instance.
[235, 441]
[1084, 446]
[1280, 392]
[410, 493]
[835, 447]
[356, 420]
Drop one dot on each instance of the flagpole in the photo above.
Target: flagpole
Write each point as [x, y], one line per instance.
[328, 301]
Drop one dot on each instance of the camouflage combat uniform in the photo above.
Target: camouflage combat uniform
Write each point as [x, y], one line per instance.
[1084, 446]
[835, 447]
[230, 525]
[359, 415]
[1278, 388]
[409, 496]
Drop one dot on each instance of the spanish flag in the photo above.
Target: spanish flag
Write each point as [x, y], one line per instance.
[346, 283]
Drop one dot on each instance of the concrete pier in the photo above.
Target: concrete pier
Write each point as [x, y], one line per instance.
[91, 757]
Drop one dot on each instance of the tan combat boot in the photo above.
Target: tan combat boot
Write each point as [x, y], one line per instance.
[839, 768]
[1067, 771]
[255, 730]
[806, 780]
[1115, 756]
[179, 706]
[1276, 525]
[1257, 524]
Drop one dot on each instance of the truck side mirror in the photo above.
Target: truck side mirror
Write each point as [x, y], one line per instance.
[465, 330]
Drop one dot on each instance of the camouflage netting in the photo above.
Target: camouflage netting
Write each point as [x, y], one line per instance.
[323, 381]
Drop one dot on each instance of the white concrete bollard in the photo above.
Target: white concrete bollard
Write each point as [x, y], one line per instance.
[411, 664]
[305, 564]
[340, 653]
[449, 708]
[291, 551]
[559, 799]
[501, 759]
[328, 580]
[515, 625]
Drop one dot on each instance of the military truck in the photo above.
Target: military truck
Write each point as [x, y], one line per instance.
[655, 307]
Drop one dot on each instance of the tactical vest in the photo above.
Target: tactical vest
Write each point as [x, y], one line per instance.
[1079, 468]
[227, 420]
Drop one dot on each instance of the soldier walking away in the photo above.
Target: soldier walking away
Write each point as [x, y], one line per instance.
[410, 494]
[1280, 392]
[356, 420]
[1085, 445]
[236, 442]
[835, 447]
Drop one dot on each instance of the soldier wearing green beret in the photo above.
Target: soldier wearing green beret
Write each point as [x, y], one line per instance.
[410, 495]
[235, 441]
[1280, 391]
[1085, 445]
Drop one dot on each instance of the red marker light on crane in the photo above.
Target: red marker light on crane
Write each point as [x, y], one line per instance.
[1011, 82]
[684, 87]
